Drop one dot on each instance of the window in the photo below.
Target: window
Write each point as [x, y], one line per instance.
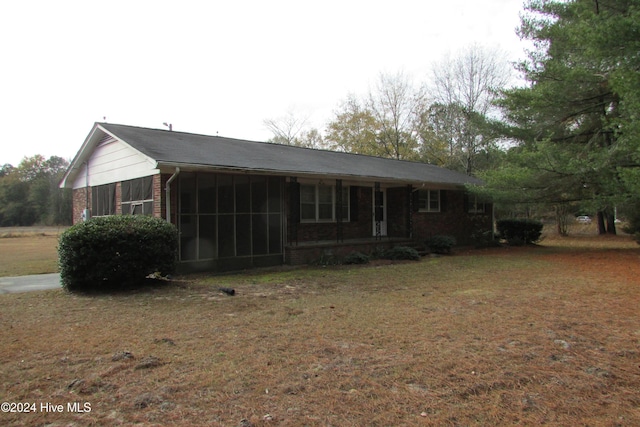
[325, 203]
[137, 196]
[307, 202]
[475, 205]
[318, 203]
[429, 201]
[103, 200]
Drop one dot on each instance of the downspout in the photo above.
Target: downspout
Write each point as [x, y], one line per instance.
[86, 185]
[86, 213]
[167, 190]
[284, 222]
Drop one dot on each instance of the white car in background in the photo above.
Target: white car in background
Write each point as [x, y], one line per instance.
[583, 219]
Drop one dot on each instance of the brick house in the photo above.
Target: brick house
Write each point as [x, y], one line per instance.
[240, 204]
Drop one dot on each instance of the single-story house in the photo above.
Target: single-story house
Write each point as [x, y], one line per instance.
[240, 204]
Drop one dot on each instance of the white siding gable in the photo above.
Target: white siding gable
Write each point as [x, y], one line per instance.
[113, 161]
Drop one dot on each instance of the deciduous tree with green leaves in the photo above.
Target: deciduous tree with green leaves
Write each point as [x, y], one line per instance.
[29, 193]
[353, 128]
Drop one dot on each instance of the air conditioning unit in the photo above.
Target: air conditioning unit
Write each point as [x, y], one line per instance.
[86, 214]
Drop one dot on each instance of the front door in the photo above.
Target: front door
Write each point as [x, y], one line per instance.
[379, 212]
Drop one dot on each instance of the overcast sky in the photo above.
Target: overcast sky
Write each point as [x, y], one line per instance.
[216, 66]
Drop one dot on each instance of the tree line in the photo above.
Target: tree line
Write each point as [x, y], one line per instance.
[29, 193]
[566, 140]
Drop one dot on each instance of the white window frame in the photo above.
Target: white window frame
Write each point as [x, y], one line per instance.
[317, 219]
[426, 206]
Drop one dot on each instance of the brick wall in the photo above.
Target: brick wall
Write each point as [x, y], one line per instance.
[453, 220]
[118, 198]
[80, 202]
[157, 196]
[327, 231]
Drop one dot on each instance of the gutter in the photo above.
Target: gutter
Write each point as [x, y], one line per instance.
[167, 190]
[320, 175]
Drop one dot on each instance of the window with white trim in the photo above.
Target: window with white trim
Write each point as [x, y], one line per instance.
[429, 201]
[318, 203]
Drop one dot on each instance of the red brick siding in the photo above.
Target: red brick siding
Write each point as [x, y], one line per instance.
[157, 196]
[80, 202]
[118, 198]
[453, 220]
[324, 231]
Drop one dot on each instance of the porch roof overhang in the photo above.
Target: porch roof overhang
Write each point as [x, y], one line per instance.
[169, 167]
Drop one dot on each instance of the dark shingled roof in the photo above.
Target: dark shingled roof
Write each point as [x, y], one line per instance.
[171, 148]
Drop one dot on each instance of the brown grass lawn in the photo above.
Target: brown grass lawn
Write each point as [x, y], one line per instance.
[28, 250]
[545, 335]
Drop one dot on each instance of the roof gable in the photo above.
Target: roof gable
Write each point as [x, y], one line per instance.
[99, 140]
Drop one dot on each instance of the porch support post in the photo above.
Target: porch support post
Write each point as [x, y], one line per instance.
[167, 190]
[339, 236]
[377, 209]
[294, 209]
[410, 211]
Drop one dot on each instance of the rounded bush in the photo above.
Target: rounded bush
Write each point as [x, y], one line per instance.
[356, 258]
[441, 244]
[518, 230]
[402, 252]
[116, 252]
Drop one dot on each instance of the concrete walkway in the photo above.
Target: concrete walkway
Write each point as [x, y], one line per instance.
[38, 282]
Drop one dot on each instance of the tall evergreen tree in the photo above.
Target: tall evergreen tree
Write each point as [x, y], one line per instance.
[578, 112]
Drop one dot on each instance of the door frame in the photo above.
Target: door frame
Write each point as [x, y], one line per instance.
[383, 223]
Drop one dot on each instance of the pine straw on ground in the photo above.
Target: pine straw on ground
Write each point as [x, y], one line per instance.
[543, 335]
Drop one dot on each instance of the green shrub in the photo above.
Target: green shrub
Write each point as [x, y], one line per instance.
[483, 239]
[519, 231]
[116, 252]
[402, 252]
[441, 244]
[356, 258]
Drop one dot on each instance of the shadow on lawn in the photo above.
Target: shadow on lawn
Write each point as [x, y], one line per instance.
[148, 285]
